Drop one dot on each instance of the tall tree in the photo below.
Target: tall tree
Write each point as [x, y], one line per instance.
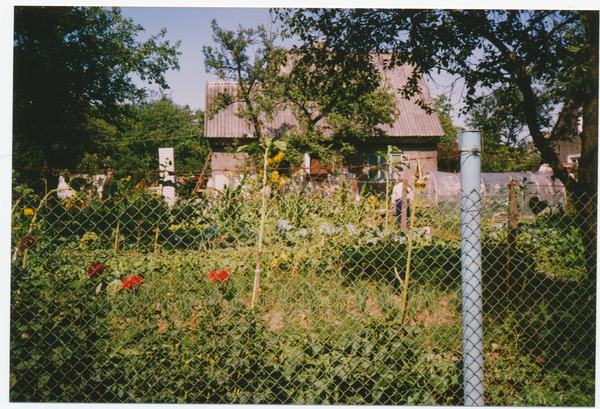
[525, 50]
[71, 63]
[248, 58]
[133, 144]
[334, 100]
[501, 119]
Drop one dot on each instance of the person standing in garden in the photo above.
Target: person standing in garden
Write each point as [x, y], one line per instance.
[397, 196]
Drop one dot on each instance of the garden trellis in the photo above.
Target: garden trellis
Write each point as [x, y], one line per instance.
[127, 299]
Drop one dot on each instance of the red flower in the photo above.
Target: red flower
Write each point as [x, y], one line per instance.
[95, 269]
[222, 275]
[27, 242]
[131, 281]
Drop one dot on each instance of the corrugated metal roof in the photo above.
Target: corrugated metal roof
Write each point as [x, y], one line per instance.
[226, 124]
[413, 121]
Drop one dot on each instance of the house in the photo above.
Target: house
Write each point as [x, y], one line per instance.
[414, 132]
[568, 150]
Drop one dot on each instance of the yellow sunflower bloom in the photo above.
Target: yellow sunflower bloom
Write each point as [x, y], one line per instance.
[275, 158]
[28, 211]
[274, 176]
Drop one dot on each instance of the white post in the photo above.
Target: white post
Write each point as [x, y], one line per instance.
[166, 160]
[305, 164]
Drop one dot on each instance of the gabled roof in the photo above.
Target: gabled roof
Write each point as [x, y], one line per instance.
[413, 121]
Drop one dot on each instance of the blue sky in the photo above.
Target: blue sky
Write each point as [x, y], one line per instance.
[192, 26]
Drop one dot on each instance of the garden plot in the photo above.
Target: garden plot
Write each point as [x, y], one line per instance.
[133, 301]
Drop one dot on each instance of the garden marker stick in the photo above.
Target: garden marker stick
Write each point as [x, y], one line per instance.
[14, 207]
[252, 149]
[156, 240]
[262, 228]
[117, 236]
[409, 256]
[387, 187]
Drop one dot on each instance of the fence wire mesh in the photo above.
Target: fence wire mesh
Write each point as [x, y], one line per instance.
[127, 299]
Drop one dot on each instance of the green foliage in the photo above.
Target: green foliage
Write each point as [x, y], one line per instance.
[327, 326]
[336, 102]
[75, 64]
[517, 52]
[146, 127]
[554, 243]
[501, 118]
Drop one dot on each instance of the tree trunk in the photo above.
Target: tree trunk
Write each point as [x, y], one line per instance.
[584, 190]
[587, 196]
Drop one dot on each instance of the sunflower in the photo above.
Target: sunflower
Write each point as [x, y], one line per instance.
[275, 158]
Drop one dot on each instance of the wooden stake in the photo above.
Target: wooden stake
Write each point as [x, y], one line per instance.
[512, 231]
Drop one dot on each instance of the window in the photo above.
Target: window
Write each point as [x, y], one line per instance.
[396, 160]
[377, 169]
[374, 166]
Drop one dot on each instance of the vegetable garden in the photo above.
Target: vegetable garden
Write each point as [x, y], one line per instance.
[126, 299]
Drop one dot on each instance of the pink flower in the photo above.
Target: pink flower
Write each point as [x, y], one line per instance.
[222, 275]
[95, 269]
[129, 282]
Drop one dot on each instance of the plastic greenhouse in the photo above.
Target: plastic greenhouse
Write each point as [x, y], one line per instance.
[536, 192]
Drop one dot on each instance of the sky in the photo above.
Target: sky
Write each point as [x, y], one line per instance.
[192, 25]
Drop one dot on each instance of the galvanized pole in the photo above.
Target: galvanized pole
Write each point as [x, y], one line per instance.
[470, 145]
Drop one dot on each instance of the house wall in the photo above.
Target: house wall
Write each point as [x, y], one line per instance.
[424, 149]
[568, 149]
[224, 162]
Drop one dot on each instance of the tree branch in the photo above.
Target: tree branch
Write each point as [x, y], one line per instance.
[479, 24]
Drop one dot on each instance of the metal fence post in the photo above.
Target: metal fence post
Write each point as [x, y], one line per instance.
[470, 145]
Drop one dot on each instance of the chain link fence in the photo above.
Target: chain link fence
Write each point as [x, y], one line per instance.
[127, 299]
